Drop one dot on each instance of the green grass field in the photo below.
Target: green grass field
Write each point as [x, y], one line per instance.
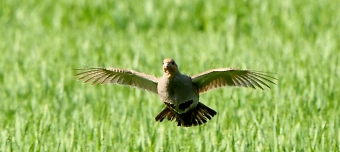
[44, 108]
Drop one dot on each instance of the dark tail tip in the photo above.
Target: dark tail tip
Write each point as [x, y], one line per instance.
[198, 116]
[195, 117]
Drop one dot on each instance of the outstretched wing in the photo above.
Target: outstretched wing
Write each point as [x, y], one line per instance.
[217, 78]
[118, 76]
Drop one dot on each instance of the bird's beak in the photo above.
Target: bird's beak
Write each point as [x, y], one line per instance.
[166, 65]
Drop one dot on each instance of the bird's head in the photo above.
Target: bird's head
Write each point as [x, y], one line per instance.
[170, 67]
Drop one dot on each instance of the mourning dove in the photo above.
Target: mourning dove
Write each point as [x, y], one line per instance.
[179, 92]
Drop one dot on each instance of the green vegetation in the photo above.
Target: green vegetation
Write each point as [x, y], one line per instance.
[44, 108]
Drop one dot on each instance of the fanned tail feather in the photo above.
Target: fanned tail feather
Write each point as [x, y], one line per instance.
[166, 112]
[195, 117]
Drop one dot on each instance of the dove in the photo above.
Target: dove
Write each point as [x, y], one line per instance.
[179, 92]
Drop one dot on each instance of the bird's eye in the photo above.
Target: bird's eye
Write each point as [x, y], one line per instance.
[173, 62]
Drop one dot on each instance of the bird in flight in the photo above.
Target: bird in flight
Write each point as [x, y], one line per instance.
[179, 92]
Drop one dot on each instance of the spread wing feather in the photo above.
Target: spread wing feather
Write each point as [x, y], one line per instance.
[217, 78]
[118, 76]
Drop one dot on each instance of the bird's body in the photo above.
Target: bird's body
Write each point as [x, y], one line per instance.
[179, 92]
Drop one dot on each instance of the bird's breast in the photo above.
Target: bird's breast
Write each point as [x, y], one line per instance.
[178, 91]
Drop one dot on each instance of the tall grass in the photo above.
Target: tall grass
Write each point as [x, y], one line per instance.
[44, 108]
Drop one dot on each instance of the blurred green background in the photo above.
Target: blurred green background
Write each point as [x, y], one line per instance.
[44, 108]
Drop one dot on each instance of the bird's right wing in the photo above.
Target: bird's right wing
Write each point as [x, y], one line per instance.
[118, 76]
[217, 78]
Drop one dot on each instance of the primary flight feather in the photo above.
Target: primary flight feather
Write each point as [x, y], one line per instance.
[179, 92]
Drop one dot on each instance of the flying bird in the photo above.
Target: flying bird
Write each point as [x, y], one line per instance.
[179, 92]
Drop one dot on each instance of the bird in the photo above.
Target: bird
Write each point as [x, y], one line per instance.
[179, 92]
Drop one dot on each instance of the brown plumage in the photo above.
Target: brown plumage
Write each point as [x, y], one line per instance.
[180, 93]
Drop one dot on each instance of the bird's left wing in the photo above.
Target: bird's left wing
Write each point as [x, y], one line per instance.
[217, 78]
[118, 76]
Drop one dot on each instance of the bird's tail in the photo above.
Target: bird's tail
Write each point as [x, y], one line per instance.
[195, 117]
